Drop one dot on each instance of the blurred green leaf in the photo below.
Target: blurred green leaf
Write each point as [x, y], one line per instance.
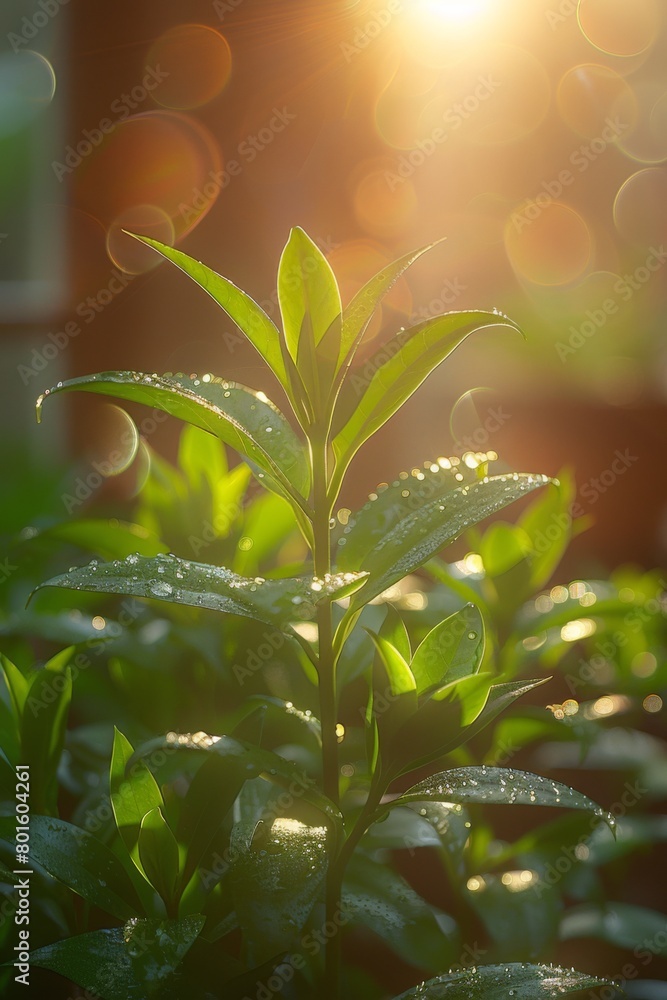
[620, 924]
[43, 726]
[110, 538]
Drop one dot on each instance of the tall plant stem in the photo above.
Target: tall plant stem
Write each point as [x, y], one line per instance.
[327, 689]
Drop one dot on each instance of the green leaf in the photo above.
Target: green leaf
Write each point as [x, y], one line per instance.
[497, 982]
[401, 679]
[43, 726]
[158, 852]
[124, 962]
[133, 795]
[255, 762]
[500, 786]
[450, 651]
[393, 629]
[179, 581]
[202, 458]
[549, 527]
[276, 880]
[244, 311]
[211, 795]
[81, 862]
[238, 416]
[440, 727]
[416, 516]
[358, 312]
[413, 355]
[620, 924]
[109, 538]
[17, 685]
[376, 896]
[307, 292]
[503, 546]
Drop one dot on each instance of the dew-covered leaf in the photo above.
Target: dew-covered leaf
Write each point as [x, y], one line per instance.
[411, 356]
[415, 516]
[181, 581]
[499, 982]
[240, 417]
[81, 862]
[276, 878]
[500, 786]
[452, 650]
[244, 311]
[136, 960]
[381, 899]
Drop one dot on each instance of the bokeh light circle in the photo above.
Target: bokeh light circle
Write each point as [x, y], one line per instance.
[548, 244]
[129, 254]
[116, 441]
[618, 27]
[590, 96]
[640, 207]
[158, 158]
[384, 201]
[646, 141]
[197, 63]
[27, 87]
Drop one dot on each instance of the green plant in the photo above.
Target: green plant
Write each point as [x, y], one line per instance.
[296, 866]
